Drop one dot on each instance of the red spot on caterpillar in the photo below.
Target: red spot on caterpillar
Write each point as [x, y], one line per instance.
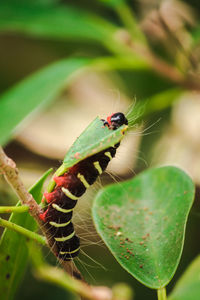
[109, 119]
[53, 196]
[60, 181]
[49, 196]
[43, 216]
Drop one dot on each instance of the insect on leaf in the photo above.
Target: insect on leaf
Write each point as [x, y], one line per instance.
[94, 139]
[13, 247]
[143, 220]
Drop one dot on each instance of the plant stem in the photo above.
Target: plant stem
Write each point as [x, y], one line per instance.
[162, 294]
[14, 209]
[138, 44]
[27, 233]
[123, 45]
[11, 174]
[128, 62]
[9, 170]
[59, 278]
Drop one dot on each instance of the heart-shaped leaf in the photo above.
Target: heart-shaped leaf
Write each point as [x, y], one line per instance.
[13, 247]
[188, 286]
[142, 221]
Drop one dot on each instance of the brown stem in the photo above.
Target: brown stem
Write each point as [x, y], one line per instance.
[174, 38]
[58, 277]
[158, 64]
[11, 174]
[9, 170]
[186, 81]
[166, 70]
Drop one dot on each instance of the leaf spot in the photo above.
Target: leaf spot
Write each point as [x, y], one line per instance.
[145, 208]
[77, 155]
[128, 240]
[115, 227]
[144, 237]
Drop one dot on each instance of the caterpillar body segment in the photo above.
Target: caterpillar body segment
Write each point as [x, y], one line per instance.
[69, 187]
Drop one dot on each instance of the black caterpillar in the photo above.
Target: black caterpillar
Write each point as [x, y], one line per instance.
[69, 187]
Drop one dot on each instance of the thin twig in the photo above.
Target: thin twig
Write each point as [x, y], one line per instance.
[178, 42]
[126, 45]
[158, 64]
[11, 174]
[9, 170]
[58, 277]
[27, 233]
[11, 209]
[165, 69]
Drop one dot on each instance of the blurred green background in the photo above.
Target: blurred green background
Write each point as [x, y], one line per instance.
[34, 34]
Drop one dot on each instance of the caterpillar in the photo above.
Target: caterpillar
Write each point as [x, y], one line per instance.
[69, 188]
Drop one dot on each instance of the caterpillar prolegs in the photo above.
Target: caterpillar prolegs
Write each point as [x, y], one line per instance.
[69, 187]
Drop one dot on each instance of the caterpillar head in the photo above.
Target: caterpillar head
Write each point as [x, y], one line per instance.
[116, 120]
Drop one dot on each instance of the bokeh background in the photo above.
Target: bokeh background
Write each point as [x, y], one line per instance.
[167, 131]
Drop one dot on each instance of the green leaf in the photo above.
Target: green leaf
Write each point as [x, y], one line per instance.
[34, 92]
[113, 3]
[13, 247]
[188, 286]
[94, 139]
[55, 22]
[142, 221]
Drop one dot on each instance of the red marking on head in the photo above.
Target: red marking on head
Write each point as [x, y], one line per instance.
[43, 216]
[109, 119]
[60, 181]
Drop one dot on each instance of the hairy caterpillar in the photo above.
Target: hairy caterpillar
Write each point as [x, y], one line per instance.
[69, 187]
